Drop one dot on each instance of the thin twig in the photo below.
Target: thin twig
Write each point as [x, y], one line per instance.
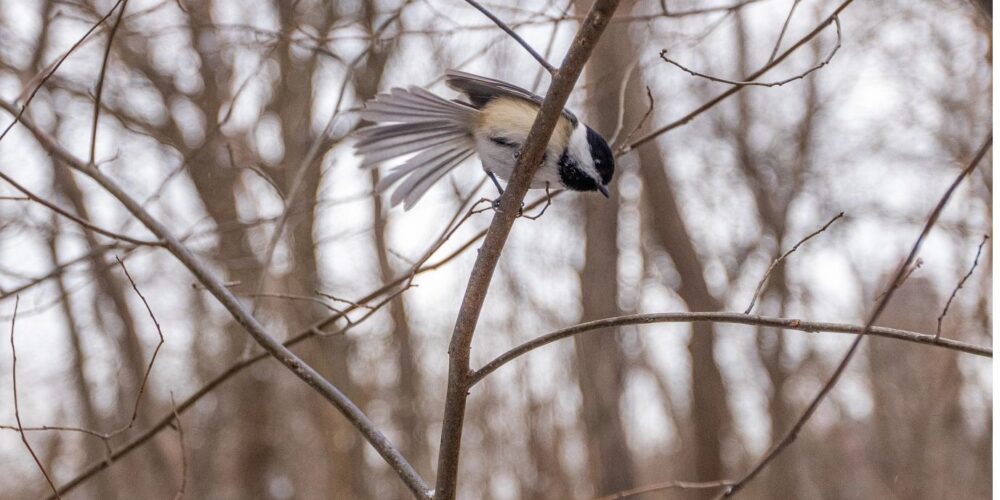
[668, 485]
[513, 34]
[784, 28]
[55, 208]
[629, 71]
[792, 433]
[736, 88]
[341, 300]
[763, 280]
[100, 81]
[17, 410]
[749, 83]
[52, 70]
[289, 296]
[621, 148]
[180, 441]
[152, 359]
[909, 272]
[979, 251]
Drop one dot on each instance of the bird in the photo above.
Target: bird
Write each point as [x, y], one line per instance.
[491, 120]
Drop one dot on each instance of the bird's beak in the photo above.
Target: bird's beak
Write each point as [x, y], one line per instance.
[604, 190]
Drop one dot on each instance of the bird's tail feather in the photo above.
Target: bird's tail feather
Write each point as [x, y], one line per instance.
[410, 121]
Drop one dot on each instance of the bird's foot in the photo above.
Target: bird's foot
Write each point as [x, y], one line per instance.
[496, 207]
[548, 201]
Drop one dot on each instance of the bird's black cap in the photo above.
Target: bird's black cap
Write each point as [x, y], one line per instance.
[604, 159]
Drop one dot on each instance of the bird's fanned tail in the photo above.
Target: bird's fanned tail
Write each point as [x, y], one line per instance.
[414, 120]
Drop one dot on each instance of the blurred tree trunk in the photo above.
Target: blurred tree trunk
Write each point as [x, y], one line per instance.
[110, 305]
[709, 410]
[109, 301]
[407, 399]
[298, 176]
[774, 185]
[907, 382]
[103, 486]
[216, 181]
[601, 364]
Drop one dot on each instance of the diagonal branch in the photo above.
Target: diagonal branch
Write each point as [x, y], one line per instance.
[513, 34]
[900, 273]
[51, 70]
[770, 269]
[310, 331]
[751, 77]
[218, 289]
[751, 83]
[530, 157]
[55, 208]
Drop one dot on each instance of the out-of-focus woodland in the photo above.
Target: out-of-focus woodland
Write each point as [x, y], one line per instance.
[230, 122]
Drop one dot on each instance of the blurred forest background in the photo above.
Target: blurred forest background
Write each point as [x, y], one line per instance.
[231, 121]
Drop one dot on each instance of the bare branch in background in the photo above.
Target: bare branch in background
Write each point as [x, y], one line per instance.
[107, 436]
[975, 262]
[784, 28]
[621, 148]
[152, 359]
[45, 75]
[17, 408]
[750, 83]
[100, 82]
[513, 34]
[767, 274]
[753, 76]
[629, 71]
[792, 433]
[55, 208]
[309, 160]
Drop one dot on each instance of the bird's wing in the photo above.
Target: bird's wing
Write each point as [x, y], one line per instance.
[482, 90]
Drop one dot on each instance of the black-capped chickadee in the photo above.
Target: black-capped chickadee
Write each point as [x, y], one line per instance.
[493, 124]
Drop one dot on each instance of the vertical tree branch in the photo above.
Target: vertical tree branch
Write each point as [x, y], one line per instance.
[531, 156]
[100, 81]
